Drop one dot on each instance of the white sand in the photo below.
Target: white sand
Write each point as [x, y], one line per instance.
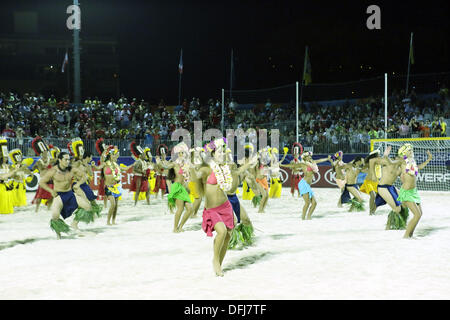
[337, 255]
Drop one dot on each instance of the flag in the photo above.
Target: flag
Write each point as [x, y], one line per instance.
[180, 65]
[411, 53]
[65, 62]
[307, 78]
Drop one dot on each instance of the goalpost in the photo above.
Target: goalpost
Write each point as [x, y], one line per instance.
[436, 175]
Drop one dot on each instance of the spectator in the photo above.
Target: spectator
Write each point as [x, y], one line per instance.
[8, 132]
[403, 129]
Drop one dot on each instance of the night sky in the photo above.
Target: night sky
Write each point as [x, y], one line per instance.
[268, 38]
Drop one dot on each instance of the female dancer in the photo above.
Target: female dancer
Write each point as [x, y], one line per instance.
[179, 175]
[218, 213]
[297, 151]
[308, 167]
[101, 147]
[249, 185]
[140, 177]
[6, 196]
[43, 164]
[274, 170]
[160, 172]
[111, 172]
[408, 194]
[261, 174]
[19, 191]
[196, 190]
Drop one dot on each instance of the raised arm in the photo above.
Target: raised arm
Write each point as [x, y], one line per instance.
[323, 160]
[423, 164]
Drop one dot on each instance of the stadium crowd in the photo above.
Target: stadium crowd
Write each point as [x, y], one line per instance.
[349, 126]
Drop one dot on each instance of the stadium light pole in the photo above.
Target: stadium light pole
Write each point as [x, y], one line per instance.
[76, 62]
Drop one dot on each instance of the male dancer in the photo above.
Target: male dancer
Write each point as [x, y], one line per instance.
[65, 202]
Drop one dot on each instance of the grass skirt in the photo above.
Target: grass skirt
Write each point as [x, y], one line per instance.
[397, 221]
[241, 236]
[59, 226]
[355, 205]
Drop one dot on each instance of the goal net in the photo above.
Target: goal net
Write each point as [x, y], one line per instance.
[436, 175]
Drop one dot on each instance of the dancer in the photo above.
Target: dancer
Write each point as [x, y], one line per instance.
[274, 171]
[370, 184]
[308, 167]
[20, 190]
[387, 193]
[140, 178]
[160, 172]
[261, 175]
[111, 172]
[196, 190]
[297, 151]
[179, 175]
[250, 190]
[65, 202]
[101, 148]
[42, 165]
[338, 167]
[408, 194]
[243, 232]
[84, 176]
[352, 170]
[218, 213]
[6, 187]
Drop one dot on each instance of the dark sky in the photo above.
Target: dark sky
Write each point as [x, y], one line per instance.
[151, 34]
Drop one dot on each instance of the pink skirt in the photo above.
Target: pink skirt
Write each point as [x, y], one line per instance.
[222, 213]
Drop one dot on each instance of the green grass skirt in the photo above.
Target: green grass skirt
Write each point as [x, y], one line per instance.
[397, 221]
[59, 226]
[355, 205]
[241, 236]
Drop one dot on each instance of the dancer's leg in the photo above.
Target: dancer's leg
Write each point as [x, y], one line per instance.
[417, 211]
[306, 205]
[219, 240]
[311, 208]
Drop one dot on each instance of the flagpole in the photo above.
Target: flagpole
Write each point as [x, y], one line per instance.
[179, 89]
[409, 64]
[231, 74]
[302, 83]
[76, 63]
[67, 76]
[180, 71]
